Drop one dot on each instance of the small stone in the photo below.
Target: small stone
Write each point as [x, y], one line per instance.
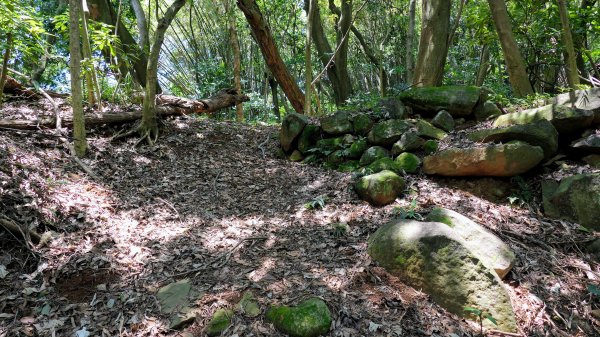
[426, 130]
[487, 110]
[430, 146]
[310, 318]
[385, 163]
[443, 120]
[296, 156]
[372, 154]
[309, 138]
[593, 160]
[381, 188]
[358, 148]
[408, 162]
[410, 141]
[388, 132]
[220, 321]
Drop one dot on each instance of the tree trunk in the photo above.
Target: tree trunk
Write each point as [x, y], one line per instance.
[275, 96]
[237, 58]
[570, 57]
[515, 63]
[264, 38]
[382, 74]
[410, 39]
[80, 143]
[341, 57]
[149, 124]
[5, 59]
[167, 106]
[307, 57]
[433, 45]
[484, 66]
[142, 24]
[580, 39]
[94, 94]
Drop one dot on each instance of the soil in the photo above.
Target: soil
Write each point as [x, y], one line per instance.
[213, 202]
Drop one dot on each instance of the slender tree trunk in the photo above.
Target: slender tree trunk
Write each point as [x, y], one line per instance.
[484, 66]
[580, 39]
[5, 59]
[341, 57]
[377, 62]
[94, 94]
[149, 124]
[307, 57]
[515, 64]
[80, 143]
[142, 24]
[237, 59]
[570, 56]
[410, 39]
[264, 38]
[433, 45]
[275, 96]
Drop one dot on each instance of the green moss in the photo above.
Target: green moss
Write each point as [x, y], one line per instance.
[372, 154]
[384, 164]
[358, 148]
[408, 162]
[425, 129]
[296, 156]
[362, 124]
[330, 144]
[349, 166]
[437, 215]
[220, 321]
[380, 188]
[310, 318]
[430, 146]
[248, 306]
[308, 138]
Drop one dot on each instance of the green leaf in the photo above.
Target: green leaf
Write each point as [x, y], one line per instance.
[593, 289]
[474, 311]
[491, 319]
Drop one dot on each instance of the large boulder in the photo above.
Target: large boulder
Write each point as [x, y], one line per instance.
[501, 160]
[588, 145]
[575, 198]
[584, 100]
[565, 119]
[426, 130]
[381, 188]
[362, 124]
[457, 100]
[385, 133]
[433, 257]
[410, 141]
[540, 133]
[291, 127]
[308, 138]
[494, 253]
[337, 124]
[310, 318]
[372, 154]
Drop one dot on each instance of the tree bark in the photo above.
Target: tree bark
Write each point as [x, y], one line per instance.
[580, 39]
[310, 14]
[167, 106]
[94, 93]
[515, 63]
[484, 66]
[410, 39]
[264, 39]
[5, 59]
[79, 140]
[569, 54]
[142, 24]
[433, 45]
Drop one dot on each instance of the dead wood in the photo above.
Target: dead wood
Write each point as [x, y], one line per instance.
[167, 106]
[16, 229]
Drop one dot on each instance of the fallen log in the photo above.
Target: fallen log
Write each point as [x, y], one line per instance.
[166, 106]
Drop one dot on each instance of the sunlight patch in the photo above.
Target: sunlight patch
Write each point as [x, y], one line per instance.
[261, 272]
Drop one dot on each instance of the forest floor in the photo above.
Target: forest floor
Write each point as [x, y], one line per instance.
[212, 202]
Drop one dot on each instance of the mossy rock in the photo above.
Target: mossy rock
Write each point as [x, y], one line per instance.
[220, 321]
[408, 162]
[443, 120]
[362, 124]
[337, 157]
[330, 144]
[539, 133]
[248, 305]
[381, 188]
[358, 148]
[309, 137]
[386, 133]
[410, 141]
[337, 124]
[487, 110]
[430, 146]
[296, 156]
[385, 163]
[426, 130]
[372, 154]
[565, 119]
[587, 145]
[457, 100]
[392, 108]
[310, 318]
[348, 166]
[430, 256]
[291, 127]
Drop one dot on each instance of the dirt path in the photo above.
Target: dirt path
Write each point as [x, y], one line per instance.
[211, 202]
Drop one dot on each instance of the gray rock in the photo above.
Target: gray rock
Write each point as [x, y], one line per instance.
[291, 127]
[426, 130]
[388, 132]
[381, 188]
[310, 318]
[584, 100]
[539, 133]
[487, 110]
[432, 257]
[372, 154]
[457, 100]
[393, 108]
[337, 124]
[501, 160]
[443, 120]
[309, 138]
[362, 124]
[588, 145]
[565, 119]
[410, 141]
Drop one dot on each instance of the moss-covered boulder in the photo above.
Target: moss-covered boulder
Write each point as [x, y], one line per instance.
[443, 120]
[385, 163]
[308, 138]
[587, 145]
[565, 119]
[372, 154]
[381, 188]
[426, 130]
[430, 146]
[575, 198]
[494, 253]
[291, 127]
[336, 157]
[501, 160]
[248, 306]
[385, 133]
[457, 100]
[357, 148]
[487, 110]
[583, 99]
[296, 156]
[310, 318]
[432, 257]
[410, 141]
[337, 124]
[362, 124]
[220, 321]
[408, 162]
[392, 108]
[540, 133]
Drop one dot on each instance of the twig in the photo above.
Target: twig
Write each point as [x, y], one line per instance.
[260, 146]
[505, 333]
[14, 228]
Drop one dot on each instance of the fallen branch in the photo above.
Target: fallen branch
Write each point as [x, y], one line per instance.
[14, 228]
[168, 106]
